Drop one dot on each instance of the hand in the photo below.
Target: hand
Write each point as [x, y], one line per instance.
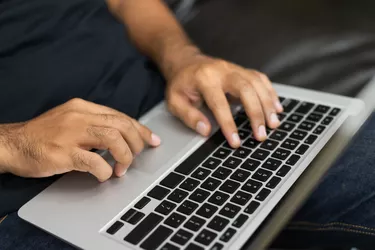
[59, 141]
[208, 79]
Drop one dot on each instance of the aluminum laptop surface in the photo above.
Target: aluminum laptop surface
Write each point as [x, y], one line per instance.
[82, 212]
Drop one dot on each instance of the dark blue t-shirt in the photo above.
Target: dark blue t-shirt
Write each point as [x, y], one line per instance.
[54, 50]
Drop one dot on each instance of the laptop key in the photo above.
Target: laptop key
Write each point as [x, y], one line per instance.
[241, 198]
[319, 130]
[290, 144]
[240, 175]
[217, 246]
[283, 170]
[228, 235]
[218, 223]
[281, 154]
[196, 158]
[262, 175]
[207, 210]
[178, 195]
[115, 227]
[278, 135]
[218, 198]
[243, 134]
[298, 135]
[172, 180]
[165, 207]
[287, 126]
[250, 164]
[199, 195]
[273, 182]
[269, 144]
[251, 143]
[194, 223]
[304, 108]
[322, 109]
[250, 209]
[189, 184]
[289, 105]
[229, 186]
[211, 163]
[143, 228]
[175, 220]
[293, 160]
[302, 149]
[281, 117]
[240, 119]
[187, 207]
[193, 246]
[142, 202]
[222, 153]
[158, 192]
[262, 195]
[156, 238]
[271, 164]
[314, 117]
[252, 186]
[308, 126]
[240, 220]
[295, 118]
[169, 246]
[201, 173]
[242, 152]
[222, 173]
[335, 112]
[327, 120]
[136, 218]
[230, 210]
[126, 217]
[311, 139]
[181, 237]
[232, 162]
[211, 184]
[260, 154]
[205, 237]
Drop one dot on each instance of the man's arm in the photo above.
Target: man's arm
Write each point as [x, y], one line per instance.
[155, 31]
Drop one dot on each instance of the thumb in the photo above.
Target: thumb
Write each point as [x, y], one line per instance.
[181, 107]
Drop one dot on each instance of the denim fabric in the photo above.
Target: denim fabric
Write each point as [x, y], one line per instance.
[339, 213]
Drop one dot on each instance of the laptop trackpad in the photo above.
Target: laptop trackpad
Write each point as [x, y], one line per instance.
[175, 137]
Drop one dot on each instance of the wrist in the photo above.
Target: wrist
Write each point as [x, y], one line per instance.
[8, 135]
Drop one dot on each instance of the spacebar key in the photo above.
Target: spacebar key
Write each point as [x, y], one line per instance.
[196, 158]
[143, 228]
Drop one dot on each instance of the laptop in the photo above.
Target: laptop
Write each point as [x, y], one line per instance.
[193, 192]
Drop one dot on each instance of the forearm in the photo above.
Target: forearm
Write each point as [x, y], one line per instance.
[155, 31]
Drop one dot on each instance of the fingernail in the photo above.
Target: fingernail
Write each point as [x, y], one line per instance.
[278, 106]
[124, 172]
[155, 140]
[201, 128]
[262, 131]
[274, 119]
[236, 139]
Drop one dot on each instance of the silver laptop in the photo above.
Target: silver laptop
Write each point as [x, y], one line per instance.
[193, 192]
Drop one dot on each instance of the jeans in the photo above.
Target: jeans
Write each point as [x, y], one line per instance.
[339, 213]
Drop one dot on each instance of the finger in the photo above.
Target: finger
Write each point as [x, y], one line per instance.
[93, 108]
[93, 163]
[264, 97]
[276, 101]
[111, 140]
[242, 89]
[189, 114]
[147, 135]
[218, 103]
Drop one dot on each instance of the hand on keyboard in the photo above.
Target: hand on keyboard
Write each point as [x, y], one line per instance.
[208, 79]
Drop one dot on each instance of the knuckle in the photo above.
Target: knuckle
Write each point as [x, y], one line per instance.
[76, 102]
[112, 134]
[81, 161]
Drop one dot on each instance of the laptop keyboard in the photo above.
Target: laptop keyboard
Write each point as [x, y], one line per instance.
[206, 200]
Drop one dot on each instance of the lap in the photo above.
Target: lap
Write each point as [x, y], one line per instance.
[340, 211]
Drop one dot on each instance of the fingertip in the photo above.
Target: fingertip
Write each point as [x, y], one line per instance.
[262, 134]
[202, 128]
[120, 169]
[274, 121]
[235, 140]
[155, 140]
[278, 106]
